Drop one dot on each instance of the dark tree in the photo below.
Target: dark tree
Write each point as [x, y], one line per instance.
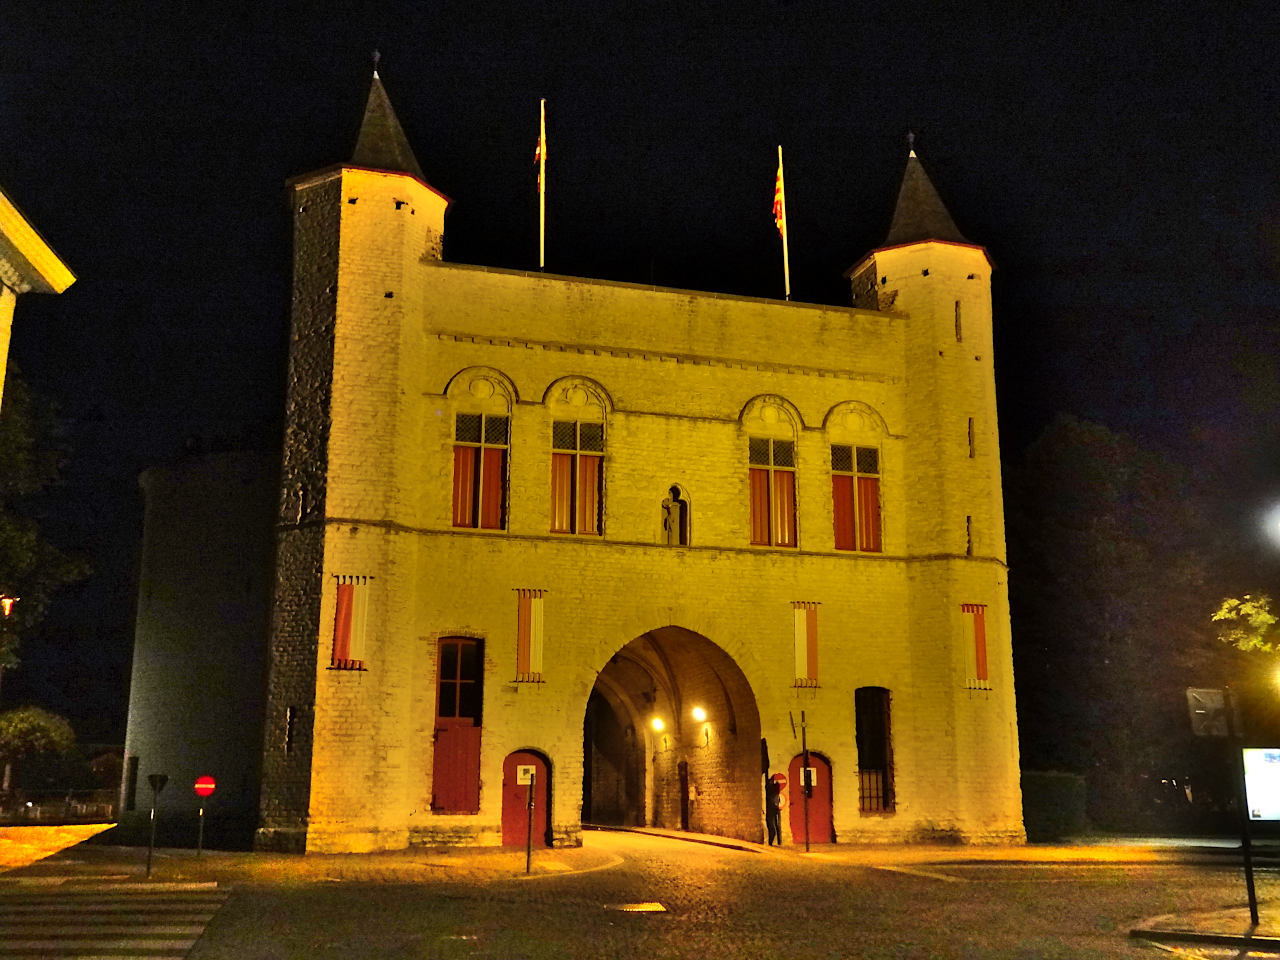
[31, 568]
[1110, 580]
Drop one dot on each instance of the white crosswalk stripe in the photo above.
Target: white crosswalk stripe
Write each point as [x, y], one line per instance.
[68, 924]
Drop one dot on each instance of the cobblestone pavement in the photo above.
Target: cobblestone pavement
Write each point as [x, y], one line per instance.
[630, 895]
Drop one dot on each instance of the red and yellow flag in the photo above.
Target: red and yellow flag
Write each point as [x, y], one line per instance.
[780, 201]
[540, 158]
[540, 152]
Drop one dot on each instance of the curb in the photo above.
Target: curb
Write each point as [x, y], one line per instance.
[1195, 936]
[727, 843]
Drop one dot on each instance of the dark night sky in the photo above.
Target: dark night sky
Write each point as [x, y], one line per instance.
[1118, 160]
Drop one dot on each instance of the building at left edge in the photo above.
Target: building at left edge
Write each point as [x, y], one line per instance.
[27, 265]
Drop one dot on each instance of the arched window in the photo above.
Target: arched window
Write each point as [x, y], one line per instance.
[577, 458]
[856, 431]
[481, 449]
[771, 428]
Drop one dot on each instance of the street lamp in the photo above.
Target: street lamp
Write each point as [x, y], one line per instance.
[657, 724]
[699, 714]
[1271, 524]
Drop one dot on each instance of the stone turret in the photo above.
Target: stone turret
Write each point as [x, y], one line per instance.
[362, 231]
[939, 282]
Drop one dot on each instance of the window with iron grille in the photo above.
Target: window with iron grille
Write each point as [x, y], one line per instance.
[772, 475]
[875, 750]
[855, 496]
[481, 445]
[577, 476]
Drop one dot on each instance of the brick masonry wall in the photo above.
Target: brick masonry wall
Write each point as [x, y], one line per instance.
[293, 643]
[679, 375]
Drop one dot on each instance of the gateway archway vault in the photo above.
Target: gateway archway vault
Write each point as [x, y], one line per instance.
[671, 738]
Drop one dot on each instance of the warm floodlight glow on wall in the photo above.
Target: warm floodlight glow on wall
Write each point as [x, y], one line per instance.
[699, 714]
[657, 724]
[6, 604]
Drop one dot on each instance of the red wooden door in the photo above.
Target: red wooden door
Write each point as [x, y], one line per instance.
[820, 827]
[455, 763]
[515, 799]
[455, 772]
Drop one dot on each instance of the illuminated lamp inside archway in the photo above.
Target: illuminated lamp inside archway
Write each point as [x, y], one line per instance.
[671, 739]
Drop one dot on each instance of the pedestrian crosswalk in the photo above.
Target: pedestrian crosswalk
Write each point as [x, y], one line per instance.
[121, 921]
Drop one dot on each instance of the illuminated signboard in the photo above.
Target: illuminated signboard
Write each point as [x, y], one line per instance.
[1262, 782]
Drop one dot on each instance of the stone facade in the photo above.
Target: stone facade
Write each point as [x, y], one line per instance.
[391, 344]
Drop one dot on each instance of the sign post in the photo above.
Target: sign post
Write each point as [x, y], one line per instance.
[1214, 714]
[204, 787]
[1236, 740]
[157, 781]
[806, 781]
[528, 833]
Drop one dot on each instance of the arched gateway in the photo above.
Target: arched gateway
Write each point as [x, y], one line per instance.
[671, 739]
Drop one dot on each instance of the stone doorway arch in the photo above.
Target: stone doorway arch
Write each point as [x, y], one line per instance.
[671, 738]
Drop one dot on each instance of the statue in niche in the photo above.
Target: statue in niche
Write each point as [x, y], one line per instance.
[675, 519]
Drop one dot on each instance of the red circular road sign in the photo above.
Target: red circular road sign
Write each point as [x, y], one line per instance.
[780, 779]
[204, 786]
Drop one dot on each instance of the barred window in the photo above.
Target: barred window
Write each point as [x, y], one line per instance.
[577, 476]
[855, 496]
[772, 476]
[875, 749]
[481, 447]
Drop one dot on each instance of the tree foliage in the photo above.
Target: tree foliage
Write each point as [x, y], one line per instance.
[31, 568]
[1248, 624]
[1109, 553]
[30, 731]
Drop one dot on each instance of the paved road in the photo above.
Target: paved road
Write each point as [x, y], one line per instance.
[718, 903]
[687, 901]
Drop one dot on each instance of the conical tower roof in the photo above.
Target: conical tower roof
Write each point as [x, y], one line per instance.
[920, 214]
[381, 144]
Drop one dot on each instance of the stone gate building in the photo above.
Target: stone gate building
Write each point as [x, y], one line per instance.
[640, 543]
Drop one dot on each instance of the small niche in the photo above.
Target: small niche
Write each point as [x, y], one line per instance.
[675, 517]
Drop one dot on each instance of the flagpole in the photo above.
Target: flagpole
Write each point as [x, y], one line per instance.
[542, 187]
[782, 227]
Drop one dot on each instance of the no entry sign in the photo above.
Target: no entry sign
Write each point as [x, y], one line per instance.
[205, 786]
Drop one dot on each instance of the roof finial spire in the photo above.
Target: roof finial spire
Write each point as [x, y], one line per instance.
[911, 143]
[376, 58]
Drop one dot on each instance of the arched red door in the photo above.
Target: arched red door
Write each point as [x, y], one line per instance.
[820, 826]
[517, 770]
